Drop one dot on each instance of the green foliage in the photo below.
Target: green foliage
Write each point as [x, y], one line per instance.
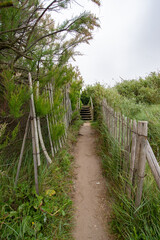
[7, 138]
[75, 116]
[32, 41]
[97, 92]
[141, 223]
[25, 215]
[143, 90]
[42, 105]
[85, 97]
[76, 86]
[128, 222]
[15, 94]
[128, 107]
[57, 131]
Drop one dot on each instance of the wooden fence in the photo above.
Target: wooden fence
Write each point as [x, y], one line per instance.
[34, 122]
[131, 136]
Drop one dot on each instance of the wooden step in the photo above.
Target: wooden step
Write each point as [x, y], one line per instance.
[85, 113]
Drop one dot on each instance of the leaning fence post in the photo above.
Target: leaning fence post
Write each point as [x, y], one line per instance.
[22, 149]
[34, 150]
[34, 120]
[142, 135]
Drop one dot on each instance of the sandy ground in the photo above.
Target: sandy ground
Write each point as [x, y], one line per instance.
[90, 196]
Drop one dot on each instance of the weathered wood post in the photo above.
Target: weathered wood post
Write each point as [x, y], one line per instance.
[119, 133]
[103, 110]
[22, 149]
[34, 120]
[142, 135]
[40, 132]
[35, 160]
[153, 163]
[128, 142]
[122, 127]
[115, 120]
[109, 120]
[107, 117]
[124, 132]
[133, 156]
[113, 123]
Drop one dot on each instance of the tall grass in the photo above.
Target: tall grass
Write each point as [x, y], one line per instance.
[139, 111]
[128, 222]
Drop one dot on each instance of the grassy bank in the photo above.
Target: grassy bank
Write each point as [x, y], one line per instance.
[139, 111]
[24, 214]
[128, 222]
[136, 99]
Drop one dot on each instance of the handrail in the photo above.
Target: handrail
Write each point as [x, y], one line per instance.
[92, 108]
[153, 163]
[91, 102]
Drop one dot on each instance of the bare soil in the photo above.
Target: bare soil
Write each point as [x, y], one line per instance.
[91, 201]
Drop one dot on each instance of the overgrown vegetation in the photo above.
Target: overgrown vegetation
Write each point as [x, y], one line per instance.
[24, 214]
[33, 41]
[128, 98]
[127, 221]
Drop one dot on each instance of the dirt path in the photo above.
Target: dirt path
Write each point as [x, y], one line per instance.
[92, 207]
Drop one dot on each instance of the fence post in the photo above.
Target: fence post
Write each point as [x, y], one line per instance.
[133, 155]
[119, 132]
[142, 135]
[125, 132]
[115, 125]
[34, 120]
[113, 122]
[109, 120]
[122, 132]
[107, 116]
[104, 110]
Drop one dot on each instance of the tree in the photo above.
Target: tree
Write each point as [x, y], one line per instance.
[30, 40]
[27, 26]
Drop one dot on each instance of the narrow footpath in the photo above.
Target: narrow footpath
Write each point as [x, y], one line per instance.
[90, 197]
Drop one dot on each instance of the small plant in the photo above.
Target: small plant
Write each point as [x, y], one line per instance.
[15, 94]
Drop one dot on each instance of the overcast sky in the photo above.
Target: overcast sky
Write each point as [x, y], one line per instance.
[126, 46]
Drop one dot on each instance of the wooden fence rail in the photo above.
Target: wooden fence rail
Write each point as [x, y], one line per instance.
[131, 136]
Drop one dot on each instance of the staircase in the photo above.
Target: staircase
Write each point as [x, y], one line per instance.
[85, 113]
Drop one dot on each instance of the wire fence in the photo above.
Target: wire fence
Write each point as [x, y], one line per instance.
[131, 137]
[36, 135]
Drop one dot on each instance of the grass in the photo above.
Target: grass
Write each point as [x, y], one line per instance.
[24, 214]
[128, 222]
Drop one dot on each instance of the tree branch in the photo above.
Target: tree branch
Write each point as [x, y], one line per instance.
[38, 19]
[53, 33]
[14, 30]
